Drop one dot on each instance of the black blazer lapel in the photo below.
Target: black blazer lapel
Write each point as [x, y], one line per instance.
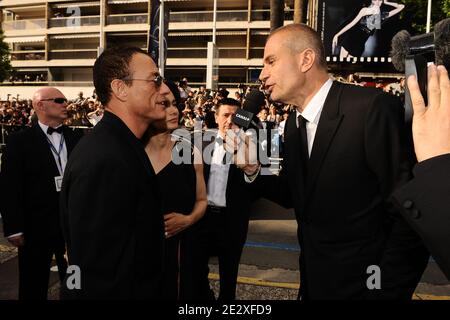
[329, 122]
[43, 150]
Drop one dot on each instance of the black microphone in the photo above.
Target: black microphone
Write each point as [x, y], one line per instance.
[442, 42]
[434, 46]
[400, 49]
[412, 54]
[246, 117]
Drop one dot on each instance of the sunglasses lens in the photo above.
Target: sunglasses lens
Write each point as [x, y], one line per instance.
[60, 100]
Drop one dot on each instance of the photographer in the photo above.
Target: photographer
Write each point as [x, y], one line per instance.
[424, 200]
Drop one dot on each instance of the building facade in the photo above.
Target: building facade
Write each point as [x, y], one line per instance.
[55, 42]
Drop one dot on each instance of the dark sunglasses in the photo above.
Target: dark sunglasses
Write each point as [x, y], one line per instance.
[56, 100]
[158, 80]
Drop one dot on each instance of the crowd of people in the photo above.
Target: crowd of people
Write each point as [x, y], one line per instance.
[396, 88]
[198, 105]
[21, 78]
[198, 108]
[82, 112]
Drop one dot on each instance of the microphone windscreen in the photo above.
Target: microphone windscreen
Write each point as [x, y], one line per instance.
[254, 101]
[442, 42]
[400, 49]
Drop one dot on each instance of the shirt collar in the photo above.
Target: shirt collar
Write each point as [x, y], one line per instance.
[44, 127]
[313, 109]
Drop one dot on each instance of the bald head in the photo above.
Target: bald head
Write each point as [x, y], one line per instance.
[298, 37]
[46, 93]
[50, 106]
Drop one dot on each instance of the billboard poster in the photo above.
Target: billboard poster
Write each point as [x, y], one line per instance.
[352, 29]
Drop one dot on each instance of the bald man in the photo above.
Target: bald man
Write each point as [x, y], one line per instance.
[31, 173]
[344, 155]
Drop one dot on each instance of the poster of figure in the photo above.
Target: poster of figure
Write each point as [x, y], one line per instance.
[359, 28]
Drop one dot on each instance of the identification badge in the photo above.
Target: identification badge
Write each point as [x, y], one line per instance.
[58, 183]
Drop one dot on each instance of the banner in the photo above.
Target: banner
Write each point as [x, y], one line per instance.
[351, 29]
[153, 43]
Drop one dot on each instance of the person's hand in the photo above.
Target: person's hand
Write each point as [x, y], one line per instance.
[17, 241]
[431, 124]
[244, 150]
[175, 223]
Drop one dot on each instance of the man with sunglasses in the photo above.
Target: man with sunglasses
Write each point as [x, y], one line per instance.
[31, 176]
[111, 216]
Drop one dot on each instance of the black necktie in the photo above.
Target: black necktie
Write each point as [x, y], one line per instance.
[303, 143]
[59, 130]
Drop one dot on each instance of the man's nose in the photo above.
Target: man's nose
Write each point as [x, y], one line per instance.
[262, 75]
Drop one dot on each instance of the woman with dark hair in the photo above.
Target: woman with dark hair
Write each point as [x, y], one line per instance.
[183, 200]
[352, 38]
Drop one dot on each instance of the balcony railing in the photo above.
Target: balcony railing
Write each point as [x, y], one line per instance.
[188, 53]
[207, 16]
[198, 53]
[236, 53]
[264, 15]
[71, 54]
[260, 15]
[57, 83]
[27, 55]
[127, 18]
[257, 53]
[24, 24]
[74, 21]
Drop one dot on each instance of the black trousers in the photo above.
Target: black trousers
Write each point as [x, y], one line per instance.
[35, 259]
[181, 267]
[218, 236]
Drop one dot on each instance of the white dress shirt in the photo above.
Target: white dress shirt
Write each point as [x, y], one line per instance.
[312, 112]
[218, 176]
[55, 139]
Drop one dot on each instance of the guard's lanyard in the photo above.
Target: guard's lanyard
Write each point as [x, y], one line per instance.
[57, 153]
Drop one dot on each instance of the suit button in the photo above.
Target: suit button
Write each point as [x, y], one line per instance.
[407, 204]
[415, 214]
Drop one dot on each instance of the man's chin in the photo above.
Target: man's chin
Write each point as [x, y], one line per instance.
[272, 96]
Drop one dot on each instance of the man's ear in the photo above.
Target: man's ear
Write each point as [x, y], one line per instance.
[308, 57]
[119, 89]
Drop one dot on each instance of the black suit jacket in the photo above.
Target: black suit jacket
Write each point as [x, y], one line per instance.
[111, 216]
[425, 205]
[346, 222]
[239, 194]
[30, 202]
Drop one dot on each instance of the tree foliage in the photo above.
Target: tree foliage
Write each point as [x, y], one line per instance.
[5, 65]
[415, 13]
